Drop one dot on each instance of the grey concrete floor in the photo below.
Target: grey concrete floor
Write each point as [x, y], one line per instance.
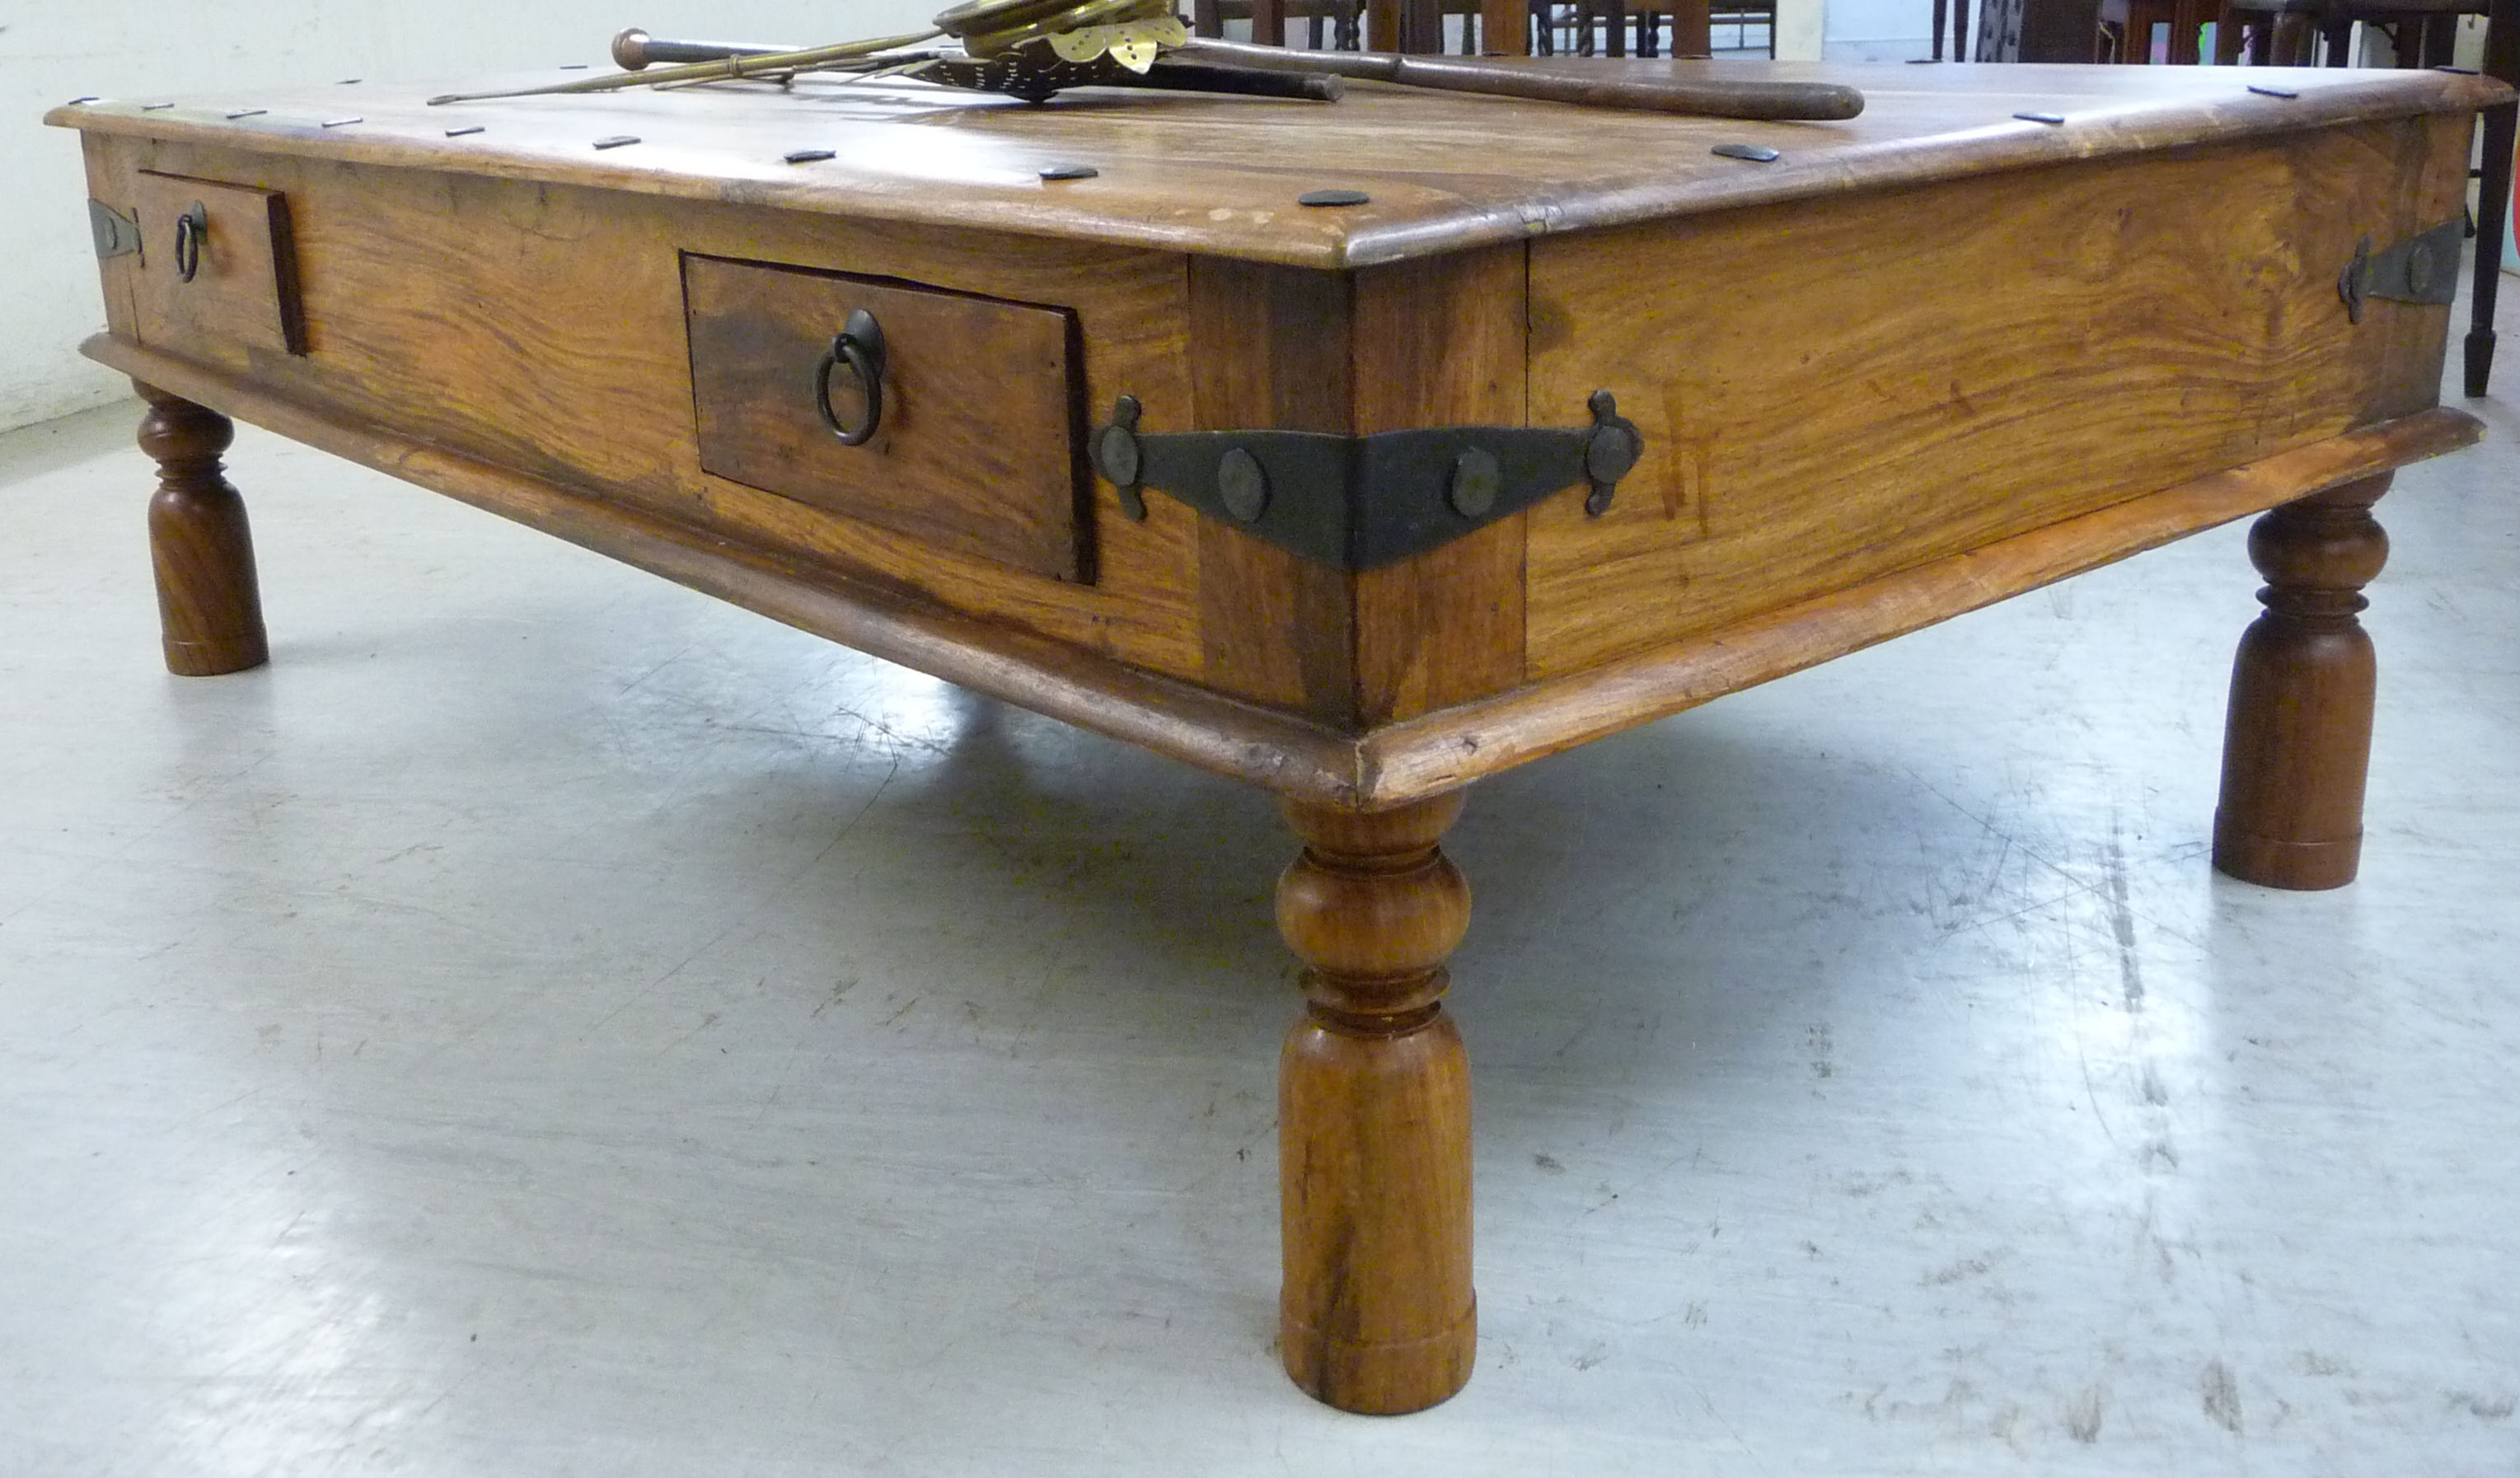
[550, 1023]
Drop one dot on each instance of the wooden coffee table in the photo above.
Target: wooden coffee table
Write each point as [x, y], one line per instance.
[1561, 423]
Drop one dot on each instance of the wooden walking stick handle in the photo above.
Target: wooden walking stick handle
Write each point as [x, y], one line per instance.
[1712, 97]
[634, 49]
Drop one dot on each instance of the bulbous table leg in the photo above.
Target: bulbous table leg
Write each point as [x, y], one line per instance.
[2298, 739]
[1374, 1091]
[208, 605]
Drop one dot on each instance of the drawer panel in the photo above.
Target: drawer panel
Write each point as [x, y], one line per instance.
[978, 446]
[243, 292]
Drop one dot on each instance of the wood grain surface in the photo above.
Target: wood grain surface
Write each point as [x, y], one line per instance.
[1219, 176]
[242, 299]
[1384, 768]
[550, 323]
[209, 606]
[979, 439]
[1270, 347]
[1441, 343]
[2297, 741]
[1375, 1313]
[1462, 744]
[1832, 391]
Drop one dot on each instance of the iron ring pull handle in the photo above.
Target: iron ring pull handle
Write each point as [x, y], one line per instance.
[191, 229]
[860, 346]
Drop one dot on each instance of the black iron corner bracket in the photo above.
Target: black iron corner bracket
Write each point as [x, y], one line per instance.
[2423, 268]
[1361, 502]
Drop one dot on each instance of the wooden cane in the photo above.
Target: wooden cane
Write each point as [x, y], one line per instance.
[1700, 97]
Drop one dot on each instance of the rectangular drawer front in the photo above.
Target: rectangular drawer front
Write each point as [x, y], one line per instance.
[979, 448]
[242, 294]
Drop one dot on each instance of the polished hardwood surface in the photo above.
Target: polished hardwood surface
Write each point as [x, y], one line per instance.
[2162, 328]
[1297, 757]
[2298, 738]
[1219, 176]
[209, 604]
[1932, 357]
[1375, 1313]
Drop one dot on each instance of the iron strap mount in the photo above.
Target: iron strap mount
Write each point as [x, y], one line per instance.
[1361, 502]
[2422, 268]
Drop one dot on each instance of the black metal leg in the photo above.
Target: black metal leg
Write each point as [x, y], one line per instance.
[2493, 211]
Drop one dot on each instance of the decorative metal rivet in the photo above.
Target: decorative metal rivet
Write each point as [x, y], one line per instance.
[456, 133]
[1924, 61]
[2419, 270]
[249, 113]
[1069, 172]
[342, 122]
[349, 83]
[1756, 154]
[2463, 71]
[1333, 197]
[2263, 91]
[153, 107]
[808, 156]
[574, 66]
[76, 101]
[615, 141]
[1241, 486]
[1476, 481]
[2041, 117]
[1117, 456]
[1612, 453]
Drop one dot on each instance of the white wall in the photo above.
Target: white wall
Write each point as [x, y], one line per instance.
[53, 50]
[1882, 30]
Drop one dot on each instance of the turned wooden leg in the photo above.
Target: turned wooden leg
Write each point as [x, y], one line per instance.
[2299, 736]
[207, 604]
[1374, 1113]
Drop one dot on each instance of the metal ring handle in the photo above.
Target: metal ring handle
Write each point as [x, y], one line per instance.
[190, 228]
[860, 346]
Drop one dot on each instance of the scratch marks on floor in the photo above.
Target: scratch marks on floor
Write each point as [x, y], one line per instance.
[2085, 1412]
[2122, 924]
[2220, 1394]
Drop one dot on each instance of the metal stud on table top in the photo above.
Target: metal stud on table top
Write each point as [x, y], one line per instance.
[1333, 198]
[1756, 154]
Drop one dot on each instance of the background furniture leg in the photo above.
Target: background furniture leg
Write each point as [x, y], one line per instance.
[1692, 28]
[1373, 1110]
[208, 605]
[2298, 738]
[2493, 192]
[2339, 36]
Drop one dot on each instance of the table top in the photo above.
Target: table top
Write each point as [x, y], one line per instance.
[1220, 176]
